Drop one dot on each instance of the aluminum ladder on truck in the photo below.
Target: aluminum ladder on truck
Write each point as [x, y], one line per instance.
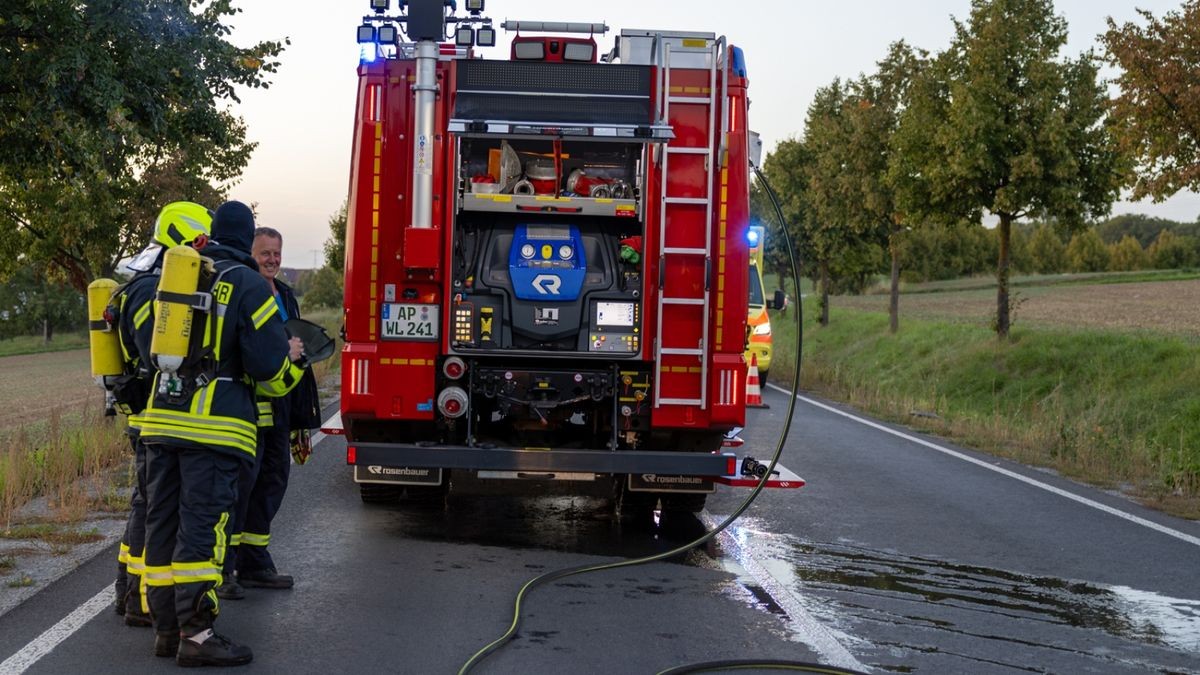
[685, 234]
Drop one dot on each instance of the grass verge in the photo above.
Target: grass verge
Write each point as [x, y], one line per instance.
[1116, 410]
[67, 462]
[34, 344]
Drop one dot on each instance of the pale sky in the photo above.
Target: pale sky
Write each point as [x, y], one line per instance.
[299, 174]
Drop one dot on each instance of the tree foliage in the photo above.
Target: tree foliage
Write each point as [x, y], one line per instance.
[1158, 110]
[1047, 251]
[31, 303]
[108, 109]
[327, 284]
[1086, 252]
[1001, 125]
[1127, 255]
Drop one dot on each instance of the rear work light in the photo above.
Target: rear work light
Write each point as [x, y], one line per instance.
[454, 368]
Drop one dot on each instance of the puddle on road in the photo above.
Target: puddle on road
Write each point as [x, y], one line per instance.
[905, 605]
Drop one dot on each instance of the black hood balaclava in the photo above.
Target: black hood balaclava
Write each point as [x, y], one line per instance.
[233, 226]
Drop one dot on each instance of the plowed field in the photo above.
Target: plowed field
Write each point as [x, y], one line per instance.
[1163, 306]
[32, 385]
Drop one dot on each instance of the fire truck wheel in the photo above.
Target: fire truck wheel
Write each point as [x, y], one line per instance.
[427, 497]
[636, 508]
[373, 493]
[684, 503]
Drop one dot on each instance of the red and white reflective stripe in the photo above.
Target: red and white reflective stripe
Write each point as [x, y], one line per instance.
[360, 382]
[728, 394]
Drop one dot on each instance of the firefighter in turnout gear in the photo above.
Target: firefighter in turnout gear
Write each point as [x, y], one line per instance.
[199, 427]
[178, 224]
[262, 485]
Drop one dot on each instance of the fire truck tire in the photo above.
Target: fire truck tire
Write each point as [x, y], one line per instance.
[372, 493]
[683, 503]
[635, 507]
[427, 497]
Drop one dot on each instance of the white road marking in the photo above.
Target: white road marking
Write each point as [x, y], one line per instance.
[1182, 536]
[54, 635]
[806, 627]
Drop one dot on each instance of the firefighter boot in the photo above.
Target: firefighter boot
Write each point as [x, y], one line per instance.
[208, 648]
[230, 589]
[267, 578]
[121, 588]
[166, 644]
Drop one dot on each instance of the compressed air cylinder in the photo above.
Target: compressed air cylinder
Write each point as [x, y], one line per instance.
[104, 341]
[173, 315]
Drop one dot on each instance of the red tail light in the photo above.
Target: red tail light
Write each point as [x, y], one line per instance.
[454, 368]
[351, 455]
[452, 402]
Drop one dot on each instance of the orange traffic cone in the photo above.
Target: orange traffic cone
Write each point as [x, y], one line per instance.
[753, 387]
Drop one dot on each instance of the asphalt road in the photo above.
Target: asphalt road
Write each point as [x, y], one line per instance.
[897, 557]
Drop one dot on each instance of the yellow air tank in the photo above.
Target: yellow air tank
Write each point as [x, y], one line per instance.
[104, 341]
[173, 317]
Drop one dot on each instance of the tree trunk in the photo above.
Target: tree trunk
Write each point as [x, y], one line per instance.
[894, 300]
[824, 283]
[47, 331]
[1002, 318]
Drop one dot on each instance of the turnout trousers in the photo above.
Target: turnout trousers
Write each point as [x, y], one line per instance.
[266, 496]
[132, 558]
[247, 475]
[191, 495]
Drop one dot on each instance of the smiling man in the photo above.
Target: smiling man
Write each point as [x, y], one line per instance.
[280, 421]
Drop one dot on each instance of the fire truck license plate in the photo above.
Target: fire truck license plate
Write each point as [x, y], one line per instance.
[410, 322]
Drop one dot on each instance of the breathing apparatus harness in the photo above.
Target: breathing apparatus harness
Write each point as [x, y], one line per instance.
[765, 475]
[200, 366]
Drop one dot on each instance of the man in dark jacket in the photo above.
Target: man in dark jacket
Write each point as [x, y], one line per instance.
[198, 427]
[261, 488]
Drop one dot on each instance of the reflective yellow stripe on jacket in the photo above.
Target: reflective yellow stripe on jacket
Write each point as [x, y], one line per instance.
[206, 429]
[266, 417]
[282, 382]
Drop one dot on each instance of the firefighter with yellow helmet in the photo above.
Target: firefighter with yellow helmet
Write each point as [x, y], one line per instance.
[199, 426]
[127, 308]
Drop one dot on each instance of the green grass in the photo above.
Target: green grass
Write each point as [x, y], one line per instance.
[23, 581]
[51, 534]
[1115, 409]
[33, 344]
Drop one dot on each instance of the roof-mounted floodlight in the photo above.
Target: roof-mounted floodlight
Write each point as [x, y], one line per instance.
[388, 35]
[464, 36]
[475, 6]
[366, 33]
[380, 6]
[555, 27]
[486, 36]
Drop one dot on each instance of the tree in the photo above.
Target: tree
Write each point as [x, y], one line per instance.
[1170, 251]
[1143, 228]
[872, 113]
[31, 303]
[1011, 130]
[1047, 252]
[1158, 110]
[108, 109]
[327, 283]
[784, 168]
[1127, 255]
[1086, 252]
[831, 229]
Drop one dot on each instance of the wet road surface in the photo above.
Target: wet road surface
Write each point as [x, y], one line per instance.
[893, 559]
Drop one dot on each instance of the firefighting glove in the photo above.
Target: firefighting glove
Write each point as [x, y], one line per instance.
[300, 443]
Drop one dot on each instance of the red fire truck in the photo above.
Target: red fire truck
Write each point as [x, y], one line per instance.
[546, 258]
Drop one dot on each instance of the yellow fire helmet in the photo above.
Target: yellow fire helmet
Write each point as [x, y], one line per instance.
[178, 223]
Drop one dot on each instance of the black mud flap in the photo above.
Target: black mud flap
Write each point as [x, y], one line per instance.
[660, 482]
[396, 475]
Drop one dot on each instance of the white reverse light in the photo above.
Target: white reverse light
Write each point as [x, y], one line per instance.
[565, 252]
[527, 251]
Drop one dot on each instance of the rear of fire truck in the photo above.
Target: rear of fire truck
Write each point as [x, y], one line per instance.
[546, 258]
